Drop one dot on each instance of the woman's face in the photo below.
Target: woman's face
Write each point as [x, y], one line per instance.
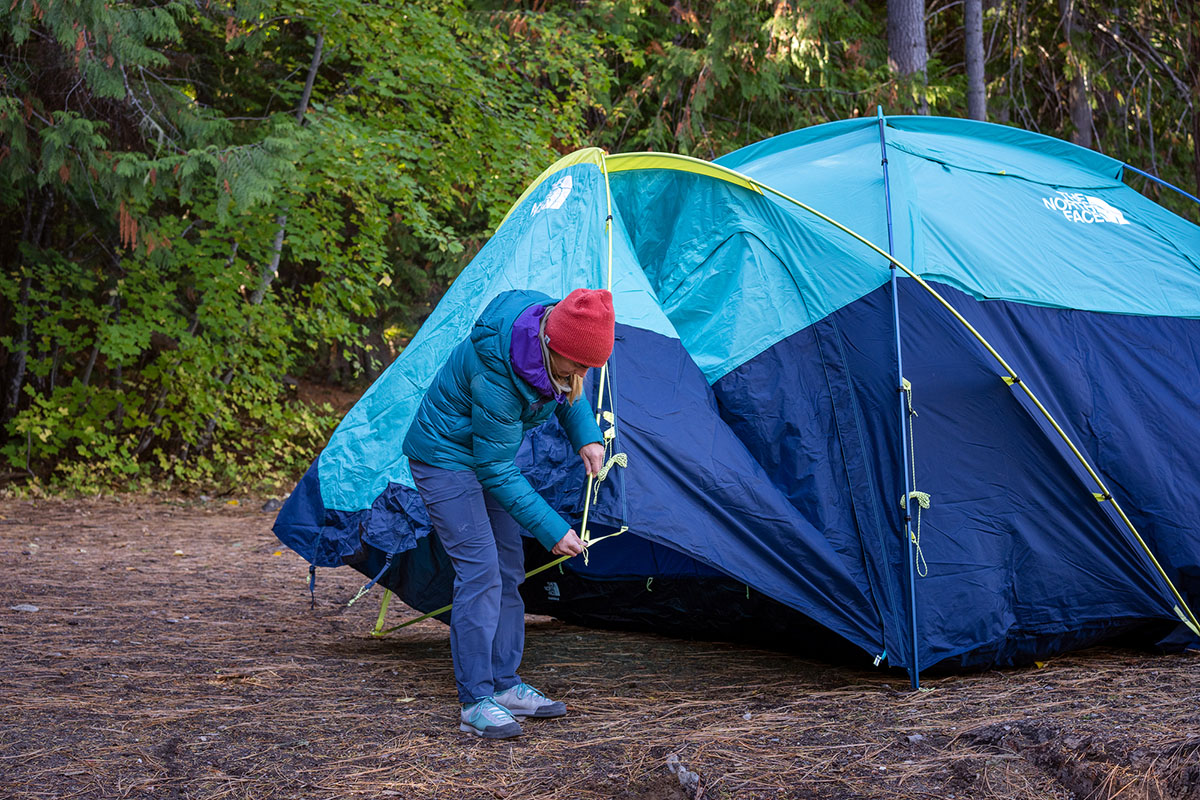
[563, 368]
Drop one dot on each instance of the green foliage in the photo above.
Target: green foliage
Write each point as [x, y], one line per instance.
[1139, 60]
[707, 77]
[188, 225]
[184, 231]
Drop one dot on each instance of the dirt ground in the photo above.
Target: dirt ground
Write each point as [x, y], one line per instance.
[173, 654]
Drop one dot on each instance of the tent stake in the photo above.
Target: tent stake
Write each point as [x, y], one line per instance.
[444, 609]
[387, 596]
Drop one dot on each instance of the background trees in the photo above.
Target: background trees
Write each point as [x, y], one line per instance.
[204, 205]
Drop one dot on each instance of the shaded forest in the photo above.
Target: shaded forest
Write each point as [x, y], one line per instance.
[207, 206]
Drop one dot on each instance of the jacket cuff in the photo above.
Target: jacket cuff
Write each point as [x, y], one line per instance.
[589, 435]
[552, 533]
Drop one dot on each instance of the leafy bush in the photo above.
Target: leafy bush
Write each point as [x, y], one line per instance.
[201, 202]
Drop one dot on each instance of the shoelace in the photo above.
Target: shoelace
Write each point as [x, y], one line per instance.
[524, 690]
[493, 712]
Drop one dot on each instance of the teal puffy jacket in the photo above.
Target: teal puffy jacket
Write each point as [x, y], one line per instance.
[477, 410]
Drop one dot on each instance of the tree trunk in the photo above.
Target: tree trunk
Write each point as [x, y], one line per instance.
[1193, 39]
[267, 276]
[907, 51]
[19, 349]
[1078, 96]
[32, 234]
[118, 414]
[91, 363]
[272, 268]
[1196, 139]
[976, 89]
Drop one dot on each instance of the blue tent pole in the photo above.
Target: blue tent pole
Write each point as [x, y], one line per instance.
[1156, 179]
[914, 671]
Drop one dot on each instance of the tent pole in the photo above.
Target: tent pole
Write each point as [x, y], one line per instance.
[1159, 180]
[914, 671]
[1182, 610]
[383, 607]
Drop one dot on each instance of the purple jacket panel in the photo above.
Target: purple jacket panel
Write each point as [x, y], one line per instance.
[525, 352]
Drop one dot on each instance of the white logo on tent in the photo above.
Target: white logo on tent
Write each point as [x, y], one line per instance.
[558, 195]
[1084, 208]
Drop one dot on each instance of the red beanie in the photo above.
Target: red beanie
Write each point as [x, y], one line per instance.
[581, 327]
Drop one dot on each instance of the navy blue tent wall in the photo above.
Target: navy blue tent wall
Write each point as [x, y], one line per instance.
[1026, 485]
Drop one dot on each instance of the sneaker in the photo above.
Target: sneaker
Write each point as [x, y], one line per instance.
[488, 719]
[523, 701]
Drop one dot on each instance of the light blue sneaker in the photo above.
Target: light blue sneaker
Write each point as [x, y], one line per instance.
[488, 719]
[523, 701]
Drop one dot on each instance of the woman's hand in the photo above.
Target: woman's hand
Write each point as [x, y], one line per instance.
[593, 457]
[569, 545]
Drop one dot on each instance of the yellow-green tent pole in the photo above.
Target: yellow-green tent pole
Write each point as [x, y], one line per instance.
[1182, 610]
[635, 161]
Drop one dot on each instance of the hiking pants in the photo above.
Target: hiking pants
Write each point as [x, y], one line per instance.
[487, 625]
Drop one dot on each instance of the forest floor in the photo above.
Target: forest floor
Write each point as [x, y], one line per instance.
[166, 649]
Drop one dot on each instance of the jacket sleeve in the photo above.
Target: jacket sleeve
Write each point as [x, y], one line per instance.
[578, 420]
[496, 432]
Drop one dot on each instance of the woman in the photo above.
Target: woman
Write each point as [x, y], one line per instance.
[525, 358]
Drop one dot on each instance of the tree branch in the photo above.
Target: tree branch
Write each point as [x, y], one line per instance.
[267, 276]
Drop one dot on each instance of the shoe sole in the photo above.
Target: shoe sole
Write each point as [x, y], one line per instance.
[546, 712]
[506, 732]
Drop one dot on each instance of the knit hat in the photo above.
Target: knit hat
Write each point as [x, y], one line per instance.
[580, 327]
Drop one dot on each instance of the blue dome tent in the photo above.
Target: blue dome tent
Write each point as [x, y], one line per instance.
[928, 384]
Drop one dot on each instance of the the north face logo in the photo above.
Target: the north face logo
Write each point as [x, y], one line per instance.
[556, 197]
[1084, 208]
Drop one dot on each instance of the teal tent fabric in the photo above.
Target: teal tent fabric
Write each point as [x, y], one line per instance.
[996, 212]
[554, 242]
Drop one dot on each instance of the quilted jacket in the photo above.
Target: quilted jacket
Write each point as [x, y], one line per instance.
[477, 410]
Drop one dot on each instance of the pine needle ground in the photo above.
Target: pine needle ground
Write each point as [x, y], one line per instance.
[173, 654]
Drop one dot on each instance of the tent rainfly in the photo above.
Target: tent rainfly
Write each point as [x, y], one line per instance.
[923, 386]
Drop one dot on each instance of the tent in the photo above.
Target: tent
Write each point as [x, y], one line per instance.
[922, 386]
